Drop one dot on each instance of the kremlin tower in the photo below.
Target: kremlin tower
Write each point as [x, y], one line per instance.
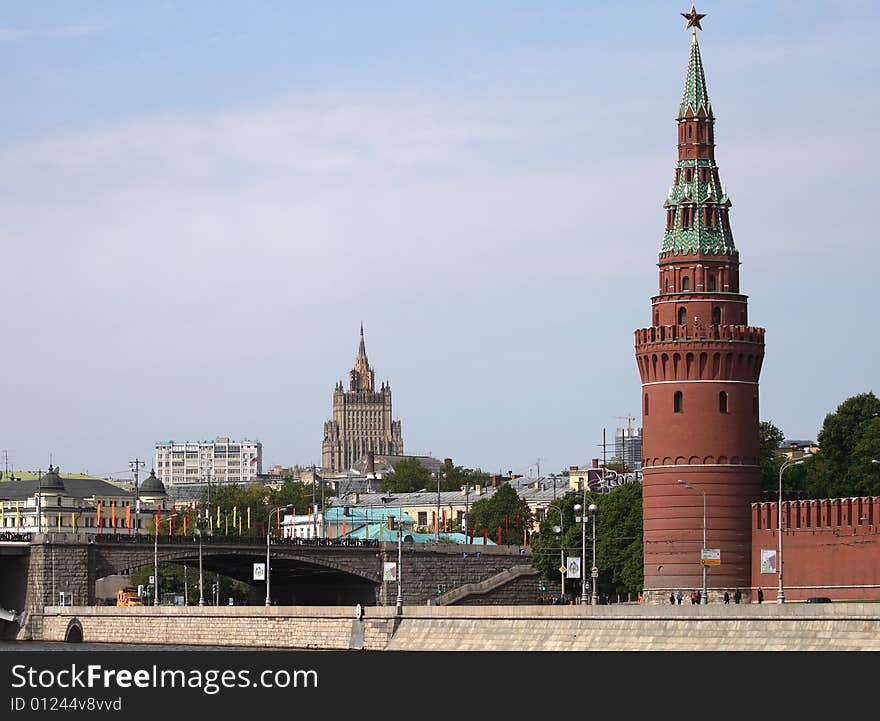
[699, 363]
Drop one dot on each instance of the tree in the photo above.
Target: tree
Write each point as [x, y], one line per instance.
[619, 539]
[769, 439]
[848, 442]
[506, 510]
[408, 476]
[454, 477]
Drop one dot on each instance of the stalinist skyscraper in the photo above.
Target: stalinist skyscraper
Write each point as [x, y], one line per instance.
[361, 419]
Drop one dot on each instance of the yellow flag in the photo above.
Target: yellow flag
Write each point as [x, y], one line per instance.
[211, 523]
[249, 518]
[381, 531]
[2, 515]
[226, 520]
[17, 516]
[73, 521]
[218, 516]
[367, 531]
[59, 520]
[239, 525]
[234, 514]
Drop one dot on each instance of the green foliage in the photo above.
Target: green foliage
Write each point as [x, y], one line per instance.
[506, 510]
[849, 441]
[769, 439]
[454, 477]
[171, 581]
[619, 549]
[408, 476]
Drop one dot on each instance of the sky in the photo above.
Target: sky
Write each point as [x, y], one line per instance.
[202, 201]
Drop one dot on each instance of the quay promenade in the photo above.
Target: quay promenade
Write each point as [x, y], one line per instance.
[715, 627]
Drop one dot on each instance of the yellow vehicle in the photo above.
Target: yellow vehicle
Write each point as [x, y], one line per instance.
[128, 596]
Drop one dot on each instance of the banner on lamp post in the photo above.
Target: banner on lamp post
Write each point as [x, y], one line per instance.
[573, 567]
[389, 572]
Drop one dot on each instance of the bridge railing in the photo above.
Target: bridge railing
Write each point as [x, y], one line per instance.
[14, 536]
[147, 540]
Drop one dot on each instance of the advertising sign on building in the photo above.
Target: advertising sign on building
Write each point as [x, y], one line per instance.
[768, 560]
[389, 572]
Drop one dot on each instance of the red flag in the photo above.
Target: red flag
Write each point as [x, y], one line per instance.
[170, 524]
[113, 515]
[99, 514]
[278, 519]
[329, 530]
[158, 520]
[344, 531]
[485, 535]
[506, 522]
[128, 517]
[499, 536]
[188, 521]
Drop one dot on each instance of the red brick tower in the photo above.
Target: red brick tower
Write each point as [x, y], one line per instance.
[699, 363]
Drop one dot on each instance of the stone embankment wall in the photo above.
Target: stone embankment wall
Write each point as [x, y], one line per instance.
[316, 627]
[765, 627]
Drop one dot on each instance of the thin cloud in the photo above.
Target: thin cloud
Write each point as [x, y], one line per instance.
[75, 30]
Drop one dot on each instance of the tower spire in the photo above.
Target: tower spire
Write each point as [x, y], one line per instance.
[695, 95]
[697, 206]
[362, 350]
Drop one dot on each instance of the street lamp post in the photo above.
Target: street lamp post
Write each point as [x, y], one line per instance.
[156, 558]
[399, 559]
[268, 537]
[594, 572]
[198, 532]
[437, 520]
[560, 531]
[467, 491]
[704, 599]
[579, 518]
[780, 591]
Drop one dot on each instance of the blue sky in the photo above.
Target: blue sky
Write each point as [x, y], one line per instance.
[202, 201]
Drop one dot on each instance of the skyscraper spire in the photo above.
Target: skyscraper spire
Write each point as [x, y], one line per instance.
[362, 350]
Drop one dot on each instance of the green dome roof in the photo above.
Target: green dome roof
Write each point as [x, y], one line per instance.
[51, 481]
[152, 486]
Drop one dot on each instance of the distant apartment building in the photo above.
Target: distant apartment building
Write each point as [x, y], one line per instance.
[221, 461]
[628, 447]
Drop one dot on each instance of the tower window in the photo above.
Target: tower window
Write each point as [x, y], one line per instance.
[711, 282]
[722, 401]
[700, 132]
[688, 175]
[685, 283]
[646, 404]
[682, 316]
[690, 131]
[677, 402]
[716, 315]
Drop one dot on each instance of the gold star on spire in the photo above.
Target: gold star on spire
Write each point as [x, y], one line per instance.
[693, 19]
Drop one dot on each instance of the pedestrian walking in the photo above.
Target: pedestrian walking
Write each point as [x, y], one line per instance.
[700, 597]
[671, 598]
[693, 598]
[726, 597]
[737, 596]
[760, 595]
[679, 598]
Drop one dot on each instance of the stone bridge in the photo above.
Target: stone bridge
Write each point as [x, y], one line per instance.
[35, 569]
